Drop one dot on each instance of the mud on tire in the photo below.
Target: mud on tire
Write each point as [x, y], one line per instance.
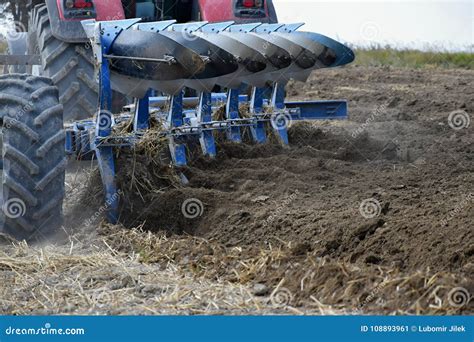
[34, 159]
[70, 66]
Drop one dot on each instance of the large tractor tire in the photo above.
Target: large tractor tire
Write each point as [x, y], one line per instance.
[70, 66]
[34, 160]
[272, 12]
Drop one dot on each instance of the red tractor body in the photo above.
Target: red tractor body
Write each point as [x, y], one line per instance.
[238, 11]
[102, 10]
[66, 15]
[206, 10]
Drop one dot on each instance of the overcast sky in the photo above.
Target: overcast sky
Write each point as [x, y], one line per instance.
[421, 24]
[445, 24]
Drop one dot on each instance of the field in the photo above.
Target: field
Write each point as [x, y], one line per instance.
[380, 56]
[369, 215]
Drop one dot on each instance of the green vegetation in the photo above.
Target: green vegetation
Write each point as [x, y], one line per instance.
[379, 56]
[3, 46]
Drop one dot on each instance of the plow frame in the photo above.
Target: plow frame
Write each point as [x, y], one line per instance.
[267, 107]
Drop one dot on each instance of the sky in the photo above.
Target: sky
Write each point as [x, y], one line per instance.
[421, 24]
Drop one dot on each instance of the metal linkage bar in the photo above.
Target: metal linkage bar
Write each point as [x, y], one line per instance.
[168, 60]
[104, 34]
[256, 108]
[191, 102]
[232, 113]
[280, 122]
[175, 120]
[141, 120]
[204, 116]
[20, 60]
[222, 54]
[319, 110]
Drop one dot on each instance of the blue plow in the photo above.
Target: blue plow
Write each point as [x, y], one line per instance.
[141, 60]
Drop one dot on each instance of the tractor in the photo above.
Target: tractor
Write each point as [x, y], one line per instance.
[55, 33]
[82, 59]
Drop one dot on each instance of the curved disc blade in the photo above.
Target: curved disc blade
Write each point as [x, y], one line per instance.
[344, 55]
[301, 56]
[140, 44]
[277, 57]
[329, 52]
[251, 59]
[219, 62]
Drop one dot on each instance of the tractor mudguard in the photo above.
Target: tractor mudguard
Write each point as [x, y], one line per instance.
[224, 10]
[70, 30]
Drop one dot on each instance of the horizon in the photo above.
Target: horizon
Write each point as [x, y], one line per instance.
[444, 25]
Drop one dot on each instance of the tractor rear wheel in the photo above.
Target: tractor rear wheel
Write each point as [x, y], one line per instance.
[272, 12]
[70, 66]
[34, 160]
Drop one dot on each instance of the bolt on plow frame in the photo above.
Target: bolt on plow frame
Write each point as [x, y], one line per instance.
[144, 59]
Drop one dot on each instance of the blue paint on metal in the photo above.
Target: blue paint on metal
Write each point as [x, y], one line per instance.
[85, 142]
[278, 96]
[288, 28]
[110, 30]
[216, 27]
[105, 154]
[243, 27]
[155, 26]
[268, 28]
[280, 122]
[69, 143]
[319, 110]
[232, 112]
[189, 27]
[344, 54]
[204, 116]
[142, 113]
[215, 97]
[106, 160]
[256, 108]
[267, 106]
[176, 120]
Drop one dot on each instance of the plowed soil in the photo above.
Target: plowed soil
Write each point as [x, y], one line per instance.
[397, 148]
[391, 188]
[373, 214]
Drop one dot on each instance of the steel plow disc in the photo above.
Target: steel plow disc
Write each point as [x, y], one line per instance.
[167, 56]
[152, 56]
